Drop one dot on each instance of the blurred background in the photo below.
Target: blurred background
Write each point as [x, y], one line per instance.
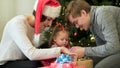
[11, 8]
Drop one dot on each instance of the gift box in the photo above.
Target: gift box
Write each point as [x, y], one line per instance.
[65, 61]
[63, 65]
[85, 62]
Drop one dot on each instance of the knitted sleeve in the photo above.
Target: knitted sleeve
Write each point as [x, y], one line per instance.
[18, 33]
[107, 23]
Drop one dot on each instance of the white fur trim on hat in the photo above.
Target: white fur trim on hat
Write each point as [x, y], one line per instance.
[52, 11]
[36, 40]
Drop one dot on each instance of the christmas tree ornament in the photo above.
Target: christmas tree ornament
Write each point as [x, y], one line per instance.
[75, 34]
[81, 29]
[92, 39]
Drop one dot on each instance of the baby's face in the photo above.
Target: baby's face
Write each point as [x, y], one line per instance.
[61, 39]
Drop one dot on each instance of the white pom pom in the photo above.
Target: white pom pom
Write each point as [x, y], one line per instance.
[36, 40]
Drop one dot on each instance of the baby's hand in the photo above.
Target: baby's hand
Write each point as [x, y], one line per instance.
[67, 51]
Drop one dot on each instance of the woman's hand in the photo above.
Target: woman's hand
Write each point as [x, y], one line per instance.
[67, 51]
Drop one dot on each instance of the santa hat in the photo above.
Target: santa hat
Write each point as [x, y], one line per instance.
[50, 8]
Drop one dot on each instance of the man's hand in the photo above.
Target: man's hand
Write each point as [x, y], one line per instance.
[79, 50]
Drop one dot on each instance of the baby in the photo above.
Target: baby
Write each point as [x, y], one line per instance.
[59, 38]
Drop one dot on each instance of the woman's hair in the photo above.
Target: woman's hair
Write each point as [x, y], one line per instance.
[56, 29]
[75, 6]
[43, 17]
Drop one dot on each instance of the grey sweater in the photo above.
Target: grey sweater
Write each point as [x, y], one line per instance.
[105, 25]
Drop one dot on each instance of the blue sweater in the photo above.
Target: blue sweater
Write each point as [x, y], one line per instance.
[105, 25]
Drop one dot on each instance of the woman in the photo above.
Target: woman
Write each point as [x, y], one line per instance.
[20, 40]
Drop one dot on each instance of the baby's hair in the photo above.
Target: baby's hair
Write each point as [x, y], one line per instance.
[57, 28]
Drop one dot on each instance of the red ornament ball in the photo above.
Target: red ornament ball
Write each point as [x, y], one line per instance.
[75, 34]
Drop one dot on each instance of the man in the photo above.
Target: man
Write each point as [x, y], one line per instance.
[104, 23]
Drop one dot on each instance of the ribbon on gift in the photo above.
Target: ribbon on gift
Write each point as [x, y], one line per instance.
[63, 58]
